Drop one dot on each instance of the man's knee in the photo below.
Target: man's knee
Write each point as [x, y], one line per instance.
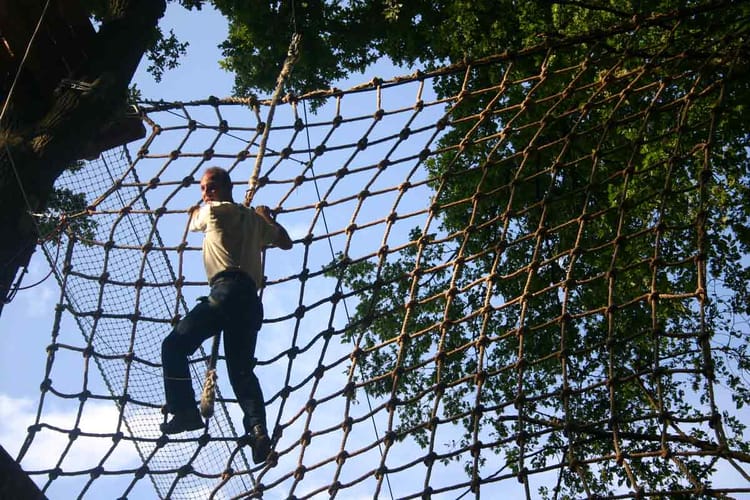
[172, 344]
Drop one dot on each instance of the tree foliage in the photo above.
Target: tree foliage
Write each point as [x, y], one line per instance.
[585, 214]
[339, 38]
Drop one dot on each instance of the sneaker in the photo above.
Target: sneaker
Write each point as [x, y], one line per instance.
[261, 444]
[188, 420]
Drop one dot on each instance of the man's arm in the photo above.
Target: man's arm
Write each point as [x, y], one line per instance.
[282, 239]
[198, 217]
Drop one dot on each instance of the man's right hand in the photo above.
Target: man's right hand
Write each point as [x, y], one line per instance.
[283, 240]
[264, 212]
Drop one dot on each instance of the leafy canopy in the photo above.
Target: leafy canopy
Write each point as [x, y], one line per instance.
[565, 280]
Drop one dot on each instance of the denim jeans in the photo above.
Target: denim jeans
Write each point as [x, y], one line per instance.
[233, 307]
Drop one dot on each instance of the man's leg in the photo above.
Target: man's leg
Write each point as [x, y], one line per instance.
[239, 350]
[240, 336]
[199, 324]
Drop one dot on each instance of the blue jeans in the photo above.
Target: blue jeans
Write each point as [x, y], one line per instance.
[233, 307]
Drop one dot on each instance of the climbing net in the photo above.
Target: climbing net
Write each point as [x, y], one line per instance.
[512, 276]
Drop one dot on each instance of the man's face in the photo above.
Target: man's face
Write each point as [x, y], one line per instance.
[212, 189]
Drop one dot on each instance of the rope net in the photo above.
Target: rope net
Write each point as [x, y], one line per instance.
[508, 278]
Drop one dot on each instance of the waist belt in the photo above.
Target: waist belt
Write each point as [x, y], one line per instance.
[232, 274]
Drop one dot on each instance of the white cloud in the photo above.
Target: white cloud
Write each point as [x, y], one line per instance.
[16, 414]
[41, 302]
[14, 418]
[38, 301]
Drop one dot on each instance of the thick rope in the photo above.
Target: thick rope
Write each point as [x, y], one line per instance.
[286, 70]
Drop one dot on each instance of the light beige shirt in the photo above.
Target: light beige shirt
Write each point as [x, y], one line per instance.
[234, 238]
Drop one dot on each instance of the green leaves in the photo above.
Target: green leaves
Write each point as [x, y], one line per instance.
[564, 287]
[66, 210]
[165, 54]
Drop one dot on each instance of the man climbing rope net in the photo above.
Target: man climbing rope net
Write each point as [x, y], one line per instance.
[235, 236]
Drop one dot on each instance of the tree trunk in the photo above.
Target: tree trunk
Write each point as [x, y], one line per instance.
[36, 145]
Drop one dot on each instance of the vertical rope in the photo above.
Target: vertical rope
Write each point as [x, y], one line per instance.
[291, 57]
